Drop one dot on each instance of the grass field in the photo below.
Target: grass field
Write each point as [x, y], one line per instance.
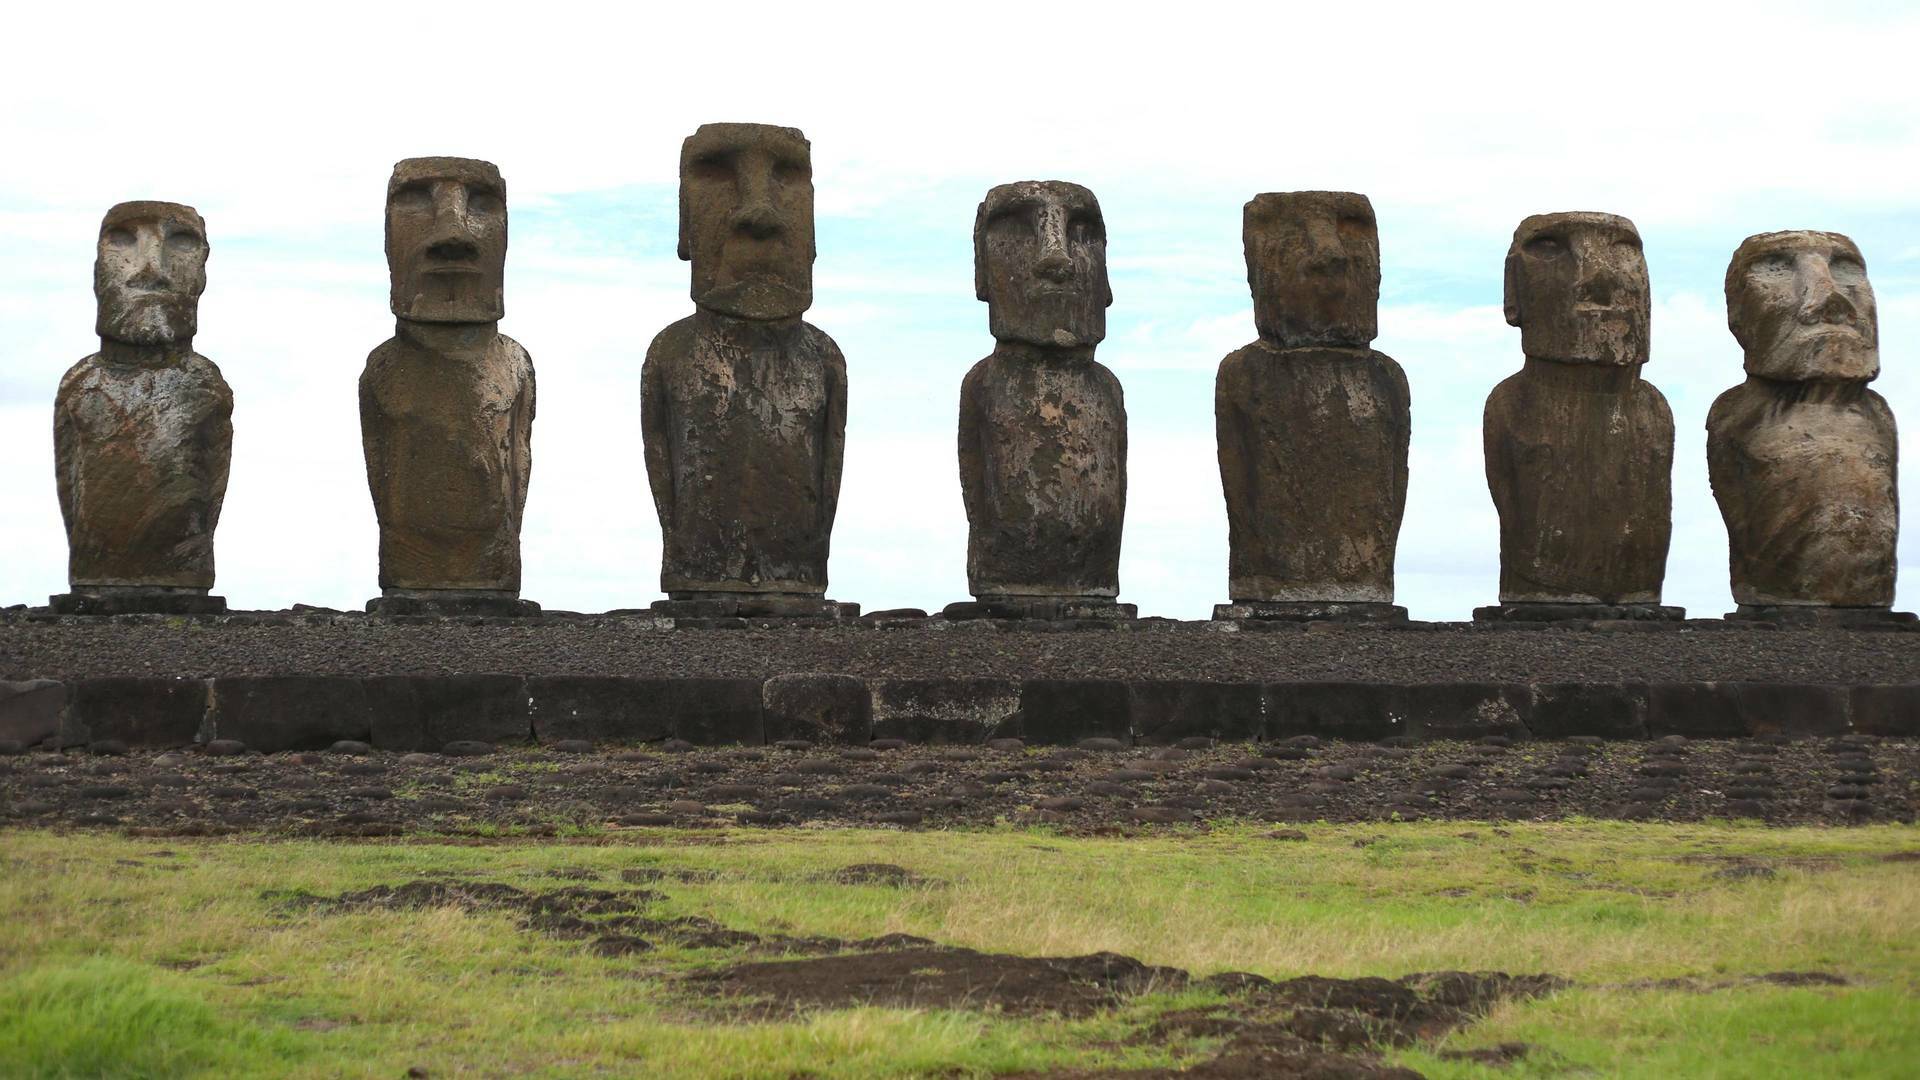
[141, 957]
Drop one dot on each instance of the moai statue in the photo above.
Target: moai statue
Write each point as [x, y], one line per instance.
[1043, 426]
[1312, 424]
[1803, 457]
[1579, 447]
[143, 429]
[446, 404]
[743, 406]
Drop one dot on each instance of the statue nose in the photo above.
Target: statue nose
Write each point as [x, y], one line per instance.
[757, 219]
[1596, 286]
[1825, 304]
[454, 249]
[1054, 266]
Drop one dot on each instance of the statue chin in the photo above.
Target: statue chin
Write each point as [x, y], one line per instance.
[757, 298]
[148, 325]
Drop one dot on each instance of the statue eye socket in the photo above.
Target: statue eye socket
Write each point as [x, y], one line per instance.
[183, 241]
[1084, 229]
[1545, 247]
[483, 201]
[786, 170]
[1771, 266]
[717, 166]
[1848, 270]
[120, 238]
[413, 197]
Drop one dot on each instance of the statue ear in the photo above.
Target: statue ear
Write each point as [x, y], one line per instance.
[980, 253]
[686, 249]
[1512, 282]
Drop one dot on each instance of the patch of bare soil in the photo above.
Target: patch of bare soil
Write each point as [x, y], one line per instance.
[1308, 1026]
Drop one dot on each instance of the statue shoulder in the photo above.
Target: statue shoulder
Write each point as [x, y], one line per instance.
[675, 340]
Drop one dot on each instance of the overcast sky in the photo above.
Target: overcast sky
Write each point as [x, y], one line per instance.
[281, 123]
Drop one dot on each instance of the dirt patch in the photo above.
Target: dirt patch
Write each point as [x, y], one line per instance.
[1771, 978]
[898, 877]
[1309, 1026]
[933, 977]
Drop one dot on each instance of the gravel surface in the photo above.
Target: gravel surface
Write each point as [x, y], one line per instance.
[222, 788]
[1710, 651]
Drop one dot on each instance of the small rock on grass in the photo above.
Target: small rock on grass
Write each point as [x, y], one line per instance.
[467, 748]
[351, 748]
[226, 748]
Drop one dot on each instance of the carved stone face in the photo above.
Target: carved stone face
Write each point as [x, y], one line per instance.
[1313, 262]
[1577, 289]
[1800, 305]
[447, 240]
[148, 273]
[1040, 263]
[746, 219]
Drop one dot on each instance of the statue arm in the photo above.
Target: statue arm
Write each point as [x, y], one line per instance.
[523, 407]
[834, 447]
[1238, 462]
[973, 463]
[218, 433]
[66, 453]
[656, 434]
[373, 446]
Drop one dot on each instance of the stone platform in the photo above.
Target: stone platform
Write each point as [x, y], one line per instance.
[303, 680]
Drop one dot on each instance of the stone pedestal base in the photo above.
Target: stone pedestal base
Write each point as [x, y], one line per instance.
[137, 600]
[451, 602]
[753, 606]
[1052, 608]
[1798, 615]
[1310, 611]
[1532, 613]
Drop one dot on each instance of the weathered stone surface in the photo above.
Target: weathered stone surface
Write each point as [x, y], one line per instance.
[1051, 608]
[143, 429]
[427, 712]
[1608, 710]
[1803, 457]
[1310, 611]
[273, 713]
[1892, 711]
[1698, 710]
[1792, 708]
[1462, 710]
[743, 405]
[1061, 712]
[1340, 710]
[1043, 426]
[30, 711]
[1167, 712]
[1525, 613]
[134, 711]
[447, 404]
[1312, 424]
[818, 707]
[601, 708]
[954, 710]
[714, 712]
[136, 600]
[1579, 448]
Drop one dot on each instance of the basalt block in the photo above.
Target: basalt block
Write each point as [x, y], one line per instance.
[426, 712]
[1041, 608]
[1606, 710]
[1462, 710]
[1890, 711]
[1335, 710]
[290, 712]
[1309, 611]
[601, 708]
[942, 710]
[30, 711]
[136, 600]
[1063, 711]
[152, 713]
[1166, 712]
[817, 707]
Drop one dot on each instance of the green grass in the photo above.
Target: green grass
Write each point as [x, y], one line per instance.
[118, 961]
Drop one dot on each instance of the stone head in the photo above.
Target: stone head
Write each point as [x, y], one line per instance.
[1313, 262]
[148, 273]
[746, 219]
[1801, 307]
[1576, 286]
[1040, 263]
[447, 240]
